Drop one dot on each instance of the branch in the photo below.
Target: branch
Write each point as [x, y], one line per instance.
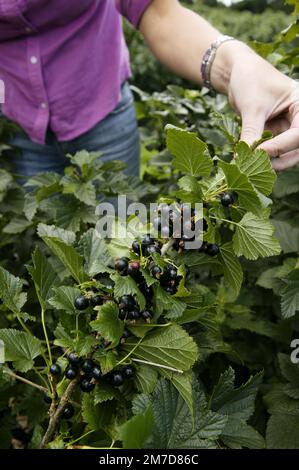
[56, 415]
[167, 246]
[26, 381]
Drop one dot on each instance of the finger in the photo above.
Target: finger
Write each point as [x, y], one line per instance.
[252, 127]
[277, 126]
[286, 161]
[282, 144]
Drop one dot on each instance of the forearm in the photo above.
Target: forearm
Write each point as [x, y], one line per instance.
[179, 38]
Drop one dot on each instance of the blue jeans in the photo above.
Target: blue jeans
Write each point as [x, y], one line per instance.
[116, 137]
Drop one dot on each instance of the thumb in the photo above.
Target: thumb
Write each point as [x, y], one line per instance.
[252, 127]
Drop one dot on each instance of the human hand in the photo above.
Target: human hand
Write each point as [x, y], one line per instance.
[265, 99]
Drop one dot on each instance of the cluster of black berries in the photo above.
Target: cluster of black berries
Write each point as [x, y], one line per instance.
[147, 247]
[128, 310]
[228, 199]
[168, 277]
[82, 302]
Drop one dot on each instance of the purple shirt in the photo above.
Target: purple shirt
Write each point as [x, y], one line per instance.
[63, 62]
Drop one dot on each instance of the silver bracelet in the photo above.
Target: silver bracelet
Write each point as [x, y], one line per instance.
[209, 58]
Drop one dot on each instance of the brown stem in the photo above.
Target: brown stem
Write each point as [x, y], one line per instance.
[167, 246]
[26, 381]
[56, 414]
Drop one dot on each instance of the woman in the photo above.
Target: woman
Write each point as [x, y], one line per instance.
[65, 66]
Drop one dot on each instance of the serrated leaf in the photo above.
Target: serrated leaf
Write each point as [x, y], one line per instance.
[107, 360]
[287, 183]
[165, 302]
[140, 403]
[11, 291]
[290, 295]
[170, 347]
[257, 167]
[254, 238]
[96, 416]
[43, 276]
[95, 253]
[183, 384]
[136, 431]
[145, 378]
[52, 231]
[283, 431]
[17, 225]
[238, 435]
[65, 252]
[63, 297]
[104, 392]
[288, 236]
[191, 155]
[21, 348]
[174, 427]
[108, 324]
[232, 269]
[239, 183]
[125, 285]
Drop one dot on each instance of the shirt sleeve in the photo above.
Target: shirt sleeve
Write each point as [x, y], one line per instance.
[132, 9]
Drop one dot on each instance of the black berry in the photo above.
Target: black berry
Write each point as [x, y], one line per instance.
[96, 373]
[81, 303]
[68, 411]
[86, 386]
[134, 315]
[73, 359]
[146, 315]
[147, 241]
[147, 291]
[47, 399]
[126, 333]
[71, 373]
[127, 302]
[96, 300]
[117, 379]
[129, 372]
[151, 249]
[122, 314]
[171, 290]
[156, 271]
[55, 369]
[227, 199]
[134, 270]
[121, 265]
[87, 365]
[213, 249]
[136, 247]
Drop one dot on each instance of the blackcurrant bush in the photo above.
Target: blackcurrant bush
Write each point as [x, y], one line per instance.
[55, 369]
[81, 303]
[121, 266]
[136, 247]
[117, 379]
[68, 411]
[127, 302]
[227, 199]
[87, 365]
[71, 373]
[96, 300]
[213, 249]
[86, 386]
[128, 372]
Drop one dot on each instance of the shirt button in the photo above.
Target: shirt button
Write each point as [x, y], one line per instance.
[43, 105]
[33, 60]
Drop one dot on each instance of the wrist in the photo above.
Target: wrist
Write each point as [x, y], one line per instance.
[227, 55]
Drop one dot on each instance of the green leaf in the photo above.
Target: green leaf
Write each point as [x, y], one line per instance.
[254, 238]
[107, 360]
[84, 191]
[66, 253]
[95, 253]
[52, 231]
[183, 384]
[174, 427]
[191, 155]
[170, 347]
[239, 183]
[17, 225]
[108, 324]
[238, 435]
[63, 298]
[233, 273]
[290, 295]
[104, 392]
[21, 348]
[288, 236]
[11, 291]
[125, 285]
[96, 416]
[287, 183]
[283, 431]
[5, 180]
[168, 303]
[145, 379]
[43, 276]
[257, 167]
[137, 430]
